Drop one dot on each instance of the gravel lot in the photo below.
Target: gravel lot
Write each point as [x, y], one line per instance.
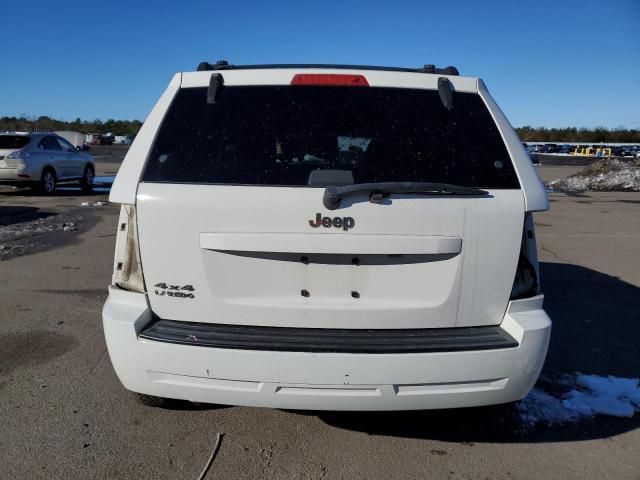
[63, 413]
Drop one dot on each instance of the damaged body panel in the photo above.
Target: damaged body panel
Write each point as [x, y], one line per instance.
[127, 269]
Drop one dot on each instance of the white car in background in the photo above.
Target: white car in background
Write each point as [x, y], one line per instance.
[43, 160]
[330, 238]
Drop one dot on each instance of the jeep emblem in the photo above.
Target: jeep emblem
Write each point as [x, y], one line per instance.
[337, 222]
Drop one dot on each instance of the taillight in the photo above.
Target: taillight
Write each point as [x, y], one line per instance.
[526, 283]
[19, 154]
[329, 79]
[127, 269]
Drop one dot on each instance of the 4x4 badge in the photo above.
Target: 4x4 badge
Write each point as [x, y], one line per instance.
[336, 222]
[177, 291]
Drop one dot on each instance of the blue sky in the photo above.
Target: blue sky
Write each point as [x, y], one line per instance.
[547, 63]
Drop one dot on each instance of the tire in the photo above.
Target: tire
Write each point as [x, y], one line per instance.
[48, 181]
[86, 183]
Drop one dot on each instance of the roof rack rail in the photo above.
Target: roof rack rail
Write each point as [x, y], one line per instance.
[224, 65]
[219, 65]
[450, 70]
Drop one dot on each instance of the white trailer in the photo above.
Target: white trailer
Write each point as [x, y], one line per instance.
[77, 139]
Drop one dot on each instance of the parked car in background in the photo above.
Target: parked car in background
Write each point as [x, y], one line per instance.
[566, 148]
[123, 140]
[618, 151]
[539, 148]
[43, 160]
[100, 139]
[628, 151]
[334, 238]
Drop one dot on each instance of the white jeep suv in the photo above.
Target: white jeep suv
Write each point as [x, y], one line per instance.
[327, 237]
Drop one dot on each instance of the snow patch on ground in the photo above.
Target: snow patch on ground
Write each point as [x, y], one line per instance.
[608, 175]
[590, 395]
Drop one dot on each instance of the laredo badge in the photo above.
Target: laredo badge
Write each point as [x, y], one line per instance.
[176, 291]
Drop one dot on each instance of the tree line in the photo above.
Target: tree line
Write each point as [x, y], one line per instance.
[124, 127]
[47, 124]
[572, 134]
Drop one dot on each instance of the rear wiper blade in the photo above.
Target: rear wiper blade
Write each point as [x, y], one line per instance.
[333, 195]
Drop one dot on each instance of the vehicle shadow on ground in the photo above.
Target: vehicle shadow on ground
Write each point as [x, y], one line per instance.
[596, 327]
[14, 214]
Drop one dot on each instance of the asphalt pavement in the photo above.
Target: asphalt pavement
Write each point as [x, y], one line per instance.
[63, 413]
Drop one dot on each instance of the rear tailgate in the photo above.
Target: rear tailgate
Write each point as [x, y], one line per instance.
[230, 232]
[250, 256]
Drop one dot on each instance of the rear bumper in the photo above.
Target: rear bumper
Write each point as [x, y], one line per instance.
[327, 340]
[10, 175]
[18, 175]
[325, 381]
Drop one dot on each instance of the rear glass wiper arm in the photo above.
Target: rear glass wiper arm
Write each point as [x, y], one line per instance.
[333, 195]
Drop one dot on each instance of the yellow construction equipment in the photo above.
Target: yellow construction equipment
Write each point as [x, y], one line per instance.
[590, 151]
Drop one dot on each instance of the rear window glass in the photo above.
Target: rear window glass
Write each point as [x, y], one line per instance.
[278, 135]
[13, 141]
